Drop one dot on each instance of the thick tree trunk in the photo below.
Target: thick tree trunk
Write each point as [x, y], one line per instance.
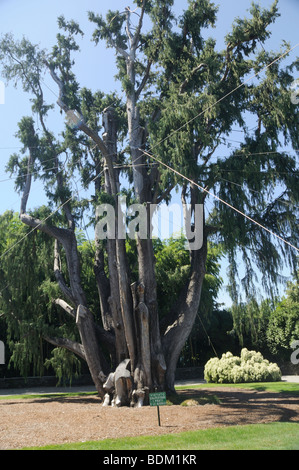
[139, 312]
[147, 277]
[146, 259]
[86, 327]
[120, 295]
[112, 298]
[179, 330]
[142, 372]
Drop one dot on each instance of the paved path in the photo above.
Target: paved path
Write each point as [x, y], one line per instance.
[91, 388]
[290, 378]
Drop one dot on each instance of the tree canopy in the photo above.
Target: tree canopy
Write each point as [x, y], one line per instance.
[182, 98]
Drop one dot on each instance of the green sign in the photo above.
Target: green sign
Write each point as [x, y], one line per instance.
[157, 399]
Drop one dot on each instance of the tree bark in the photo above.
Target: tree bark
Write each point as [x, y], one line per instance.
[142, 373]
[120, 299]
[179, 330]
[146, 259]
[147, 277]
[65, 343]
[85, 323]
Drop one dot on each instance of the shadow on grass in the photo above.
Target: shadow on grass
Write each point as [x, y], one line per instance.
[84, 397]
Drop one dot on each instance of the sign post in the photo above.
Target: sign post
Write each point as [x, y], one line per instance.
[158, 399]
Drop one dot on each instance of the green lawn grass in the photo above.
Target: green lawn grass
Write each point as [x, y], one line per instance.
[46, 395]
[279, 387]
[274, 436]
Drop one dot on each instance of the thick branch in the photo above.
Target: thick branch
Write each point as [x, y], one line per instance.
[68, 240]
[182, 310]
[38, 92]
[84, 128]
[128, 17]
[59, 276]
[26, 191]
[184, 313]
[144, 80]
[35, 223]
[135, 45]
[91, 133]
[65, 343]
[96, 138]
[65, 306]
[60, 101]
[94, 357]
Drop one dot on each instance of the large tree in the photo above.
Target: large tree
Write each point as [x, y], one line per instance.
[182, 98]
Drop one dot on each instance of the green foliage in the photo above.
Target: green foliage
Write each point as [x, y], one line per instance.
[246, 32]
[271, 326]
[22, 301]
[283, 326]
[172, 273]
[250, 323]
[272, 436]
[111, 28]
[249, 367]
[28, 71]
[247, 183]
[28, 288]
[173, 268]
[66, 365]
[87, 254]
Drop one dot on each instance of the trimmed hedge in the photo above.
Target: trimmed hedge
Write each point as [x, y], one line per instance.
[249, 367]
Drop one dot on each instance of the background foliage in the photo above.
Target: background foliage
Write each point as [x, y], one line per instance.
[28, 312]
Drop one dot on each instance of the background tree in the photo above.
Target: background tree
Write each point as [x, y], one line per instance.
[270, 326]
[283, 327]
[251, 321]
[182, 97]
[27, 290]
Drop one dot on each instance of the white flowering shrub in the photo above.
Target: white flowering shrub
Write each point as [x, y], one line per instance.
[249, 367]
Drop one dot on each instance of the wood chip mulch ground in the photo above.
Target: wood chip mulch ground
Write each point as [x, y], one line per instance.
[55, 420]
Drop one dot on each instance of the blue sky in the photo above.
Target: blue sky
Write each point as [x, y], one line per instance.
[95, 68]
